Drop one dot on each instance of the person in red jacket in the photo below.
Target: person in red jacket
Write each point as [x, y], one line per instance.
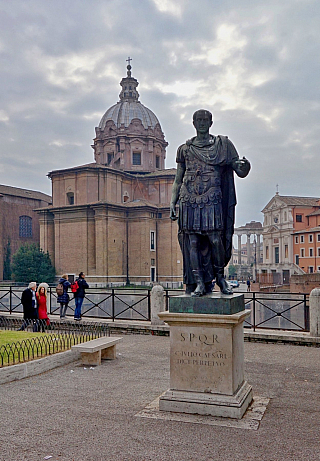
[42, 307]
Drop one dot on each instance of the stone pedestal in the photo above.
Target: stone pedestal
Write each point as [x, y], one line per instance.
[206, 357]
[315, 312]
[157, 304]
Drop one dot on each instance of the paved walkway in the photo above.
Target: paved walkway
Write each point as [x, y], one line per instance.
[72, 413]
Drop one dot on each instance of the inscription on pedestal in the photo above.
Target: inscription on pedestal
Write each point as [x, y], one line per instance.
[201, 360]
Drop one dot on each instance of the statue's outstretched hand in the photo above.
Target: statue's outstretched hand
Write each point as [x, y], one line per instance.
[173, 214]
[242, 166]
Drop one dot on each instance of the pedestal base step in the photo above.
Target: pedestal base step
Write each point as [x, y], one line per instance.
[228, 406]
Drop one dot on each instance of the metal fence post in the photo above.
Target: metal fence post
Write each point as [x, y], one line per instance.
[167, 300]
[254, 310]
[149, 306]
[112, 303]
[306, 313]
[10, 299]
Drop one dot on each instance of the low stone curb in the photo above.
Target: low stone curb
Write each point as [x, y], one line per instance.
[287, 337]
[36, 367]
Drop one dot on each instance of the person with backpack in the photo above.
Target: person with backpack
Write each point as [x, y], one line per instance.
[63, 297]
[79, 286]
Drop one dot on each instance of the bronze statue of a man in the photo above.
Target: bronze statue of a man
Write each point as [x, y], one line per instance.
[204, 186]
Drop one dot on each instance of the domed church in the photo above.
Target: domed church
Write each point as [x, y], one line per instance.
[129, 136]
[110, 218]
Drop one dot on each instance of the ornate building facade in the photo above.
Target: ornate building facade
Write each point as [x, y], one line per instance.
[290, 238]
[110, 219]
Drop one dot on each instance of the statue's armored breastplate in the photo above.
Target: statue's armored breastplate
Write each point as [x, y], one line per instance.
[201, 182]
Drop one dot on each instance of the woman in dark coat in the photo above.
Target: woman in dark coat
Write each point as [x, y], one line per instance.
[64, 298]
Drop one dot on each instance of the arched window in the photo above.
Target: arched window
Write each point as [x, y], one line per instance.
[25, 226]
[70, 198]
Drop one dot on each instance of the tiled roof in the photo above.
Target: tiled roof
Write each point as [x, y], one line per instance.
[305, 231]
[292, 200]
[166, 172]
[139, 203]
[314, 213]
[26, 193]
[299, 201]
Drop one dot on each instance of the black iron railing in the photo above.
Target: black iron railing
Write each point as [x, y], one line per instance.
[280, 311]
[273, 311]
[62, 335]
[111, 304]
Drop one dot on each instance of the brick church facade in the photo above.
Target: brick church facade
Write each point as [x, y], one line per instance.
[19, 221]
[110, 218]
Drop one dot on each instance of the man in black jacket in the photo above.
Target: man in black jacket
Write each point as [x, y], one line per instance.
[29, 303]
[79, 295]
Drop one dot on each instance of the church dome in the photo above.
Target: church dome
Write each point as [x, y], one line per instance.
[129, 136]
[125, 111]
[129, 108]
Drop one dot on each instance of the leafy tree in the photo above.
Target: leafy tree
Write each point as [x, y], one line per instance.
[232, 270]
[7, 262]
[31, 263]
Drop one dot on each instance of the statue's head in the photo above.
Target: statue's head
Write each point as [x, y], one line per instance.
[202, 120]
[202, 112]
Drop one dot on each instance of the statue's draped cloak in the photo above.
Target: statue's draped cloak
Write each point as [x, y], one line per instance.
[213, 207]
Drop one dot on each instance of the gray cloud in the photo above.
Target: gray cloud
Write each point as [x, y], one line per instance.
[254, 65]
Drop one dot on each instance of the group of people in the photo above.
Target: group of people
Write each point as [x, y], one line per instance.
[79, 295]
[34, 302]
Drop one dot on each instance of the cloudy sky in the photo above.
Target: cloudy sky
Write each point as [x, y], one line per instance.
[254, 64]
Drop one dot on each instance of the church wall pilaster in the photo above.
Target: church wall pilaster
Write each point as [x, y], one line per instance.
[91, 242]
[116, 245]
[101, 240]
[47, 241]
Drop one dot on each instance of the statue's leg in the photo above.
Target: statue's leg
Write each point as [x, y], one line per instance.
[195, 265]
[218, 257]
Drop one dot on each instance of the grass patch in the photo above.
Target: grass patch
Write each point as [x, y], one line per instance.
[8, 336]
[21, 346]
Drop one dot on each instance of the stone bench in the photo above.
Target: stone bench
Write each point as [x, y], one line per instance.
[101, 348]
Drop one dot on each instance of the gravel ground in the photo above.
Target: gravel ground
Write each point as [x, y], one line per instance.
[72, 413]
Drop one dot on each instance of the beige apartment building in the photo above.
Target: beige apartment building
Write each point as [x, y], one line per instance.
[110, 218]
